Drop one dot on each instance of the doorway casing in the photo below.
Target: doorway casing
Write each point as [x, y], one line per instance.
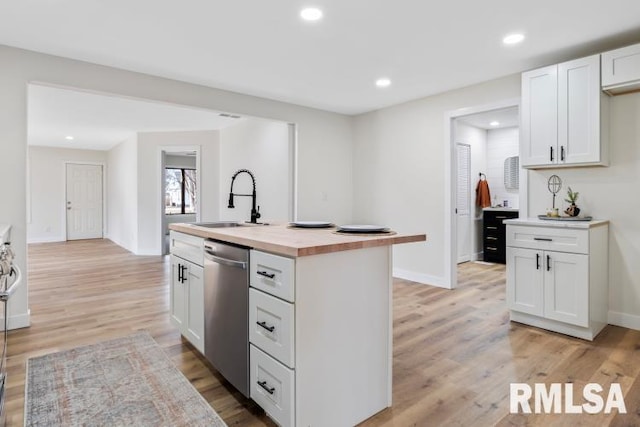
[450, 236]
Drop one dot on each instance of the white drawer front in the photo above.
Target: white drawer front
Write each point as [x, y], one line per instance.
[273, 274]
[271, 326]
[187, 247]
[272, 387]
[548, 238]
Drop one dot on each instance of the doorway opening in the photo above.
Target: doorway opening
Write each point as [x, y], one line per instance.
[482, 149]
[180, 178]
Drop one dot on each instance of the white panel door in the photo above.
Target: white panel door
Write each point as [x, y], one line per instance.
[539, 130]
[525, 281]
[579, 110]
[194, 312]
[84, 201]
[177, 300]
[566, 287]
[463, 202]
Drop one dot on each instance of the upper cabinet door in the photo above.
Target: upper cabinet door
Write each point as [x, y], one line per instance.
[579, 111]
[621, 70]
[539, 132]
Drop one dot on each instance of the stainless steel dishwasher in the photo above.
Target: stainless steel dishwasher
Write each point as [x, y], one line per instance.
[226, 311]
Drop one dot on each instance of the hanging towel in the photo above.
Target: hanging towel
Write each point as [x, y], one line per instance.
[483, 195]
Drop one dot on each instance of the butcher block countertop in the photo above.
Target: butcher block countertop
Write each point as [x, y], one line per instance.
[295, 242]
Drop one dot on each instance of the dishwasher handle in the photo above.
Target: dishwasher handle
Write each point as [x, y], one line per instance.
[224, 261]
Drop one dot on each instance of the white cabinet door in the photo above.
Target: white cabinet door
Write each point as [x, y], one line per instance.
[194, 296]
[177, 303]
[579, 111]
[539, 115]
[566, 288]
[525, 281]
[621, 69]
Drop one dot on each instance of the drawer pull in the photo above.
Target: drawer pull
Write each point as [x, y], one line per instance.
[543, 239]
[265, 274]
[269, 390]
[268, 328]
[491, 238]
[492, 228]
[501, 217]
[491, 248]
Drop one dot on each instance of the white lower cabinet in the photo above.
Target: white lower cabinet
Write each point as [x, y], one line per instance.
[557, 277]
[320, 352]
[549, 284]
[186, 300]
[272, 387]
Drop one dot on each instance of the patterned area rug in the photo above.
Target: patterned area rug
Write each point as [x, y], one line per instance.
[127, 381]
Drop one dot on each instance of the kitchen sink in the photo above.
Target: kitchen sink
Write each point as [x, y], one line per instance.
[217, 224]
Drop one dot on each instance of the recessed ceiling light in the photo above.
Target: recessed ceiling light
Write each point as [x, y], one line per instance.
[494, 123]
[514, 38]
[68, 138]
[311, 14]
[383, 82]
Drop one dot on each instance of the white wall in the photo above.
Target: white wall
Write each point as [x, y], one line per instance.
[609, 193]
[150, 186]
[179, 161]
[324, 139]
[262, 146]
[477, 139]
[122, 194]
[501, 143]
[47, 189]
[399, 171]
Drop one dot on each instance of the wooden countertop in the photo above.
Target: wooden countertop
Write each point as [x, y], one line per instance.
[295, 242]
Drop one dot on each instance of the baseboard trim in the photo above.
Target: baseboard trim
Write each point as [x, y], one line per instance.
[625, 320]
[413, 276]
[18, 321]
[45, 239]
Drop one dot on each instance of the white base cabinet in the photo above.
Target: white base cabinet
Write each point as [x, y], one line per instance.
[186, 295]
[557, 277]
[320, 336]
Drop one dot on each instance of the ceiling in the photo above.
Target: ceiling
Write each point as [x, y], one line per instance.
[262, 48]
[506, 118]
[99, 122]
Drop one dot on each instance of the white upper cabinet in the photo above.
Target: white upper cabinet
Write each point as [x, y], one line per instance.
[561, 116]
[621, 70]
[539, 131]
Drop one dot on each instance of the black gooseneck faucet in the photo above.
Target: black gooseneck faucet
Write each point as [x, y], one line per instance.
[255, 211]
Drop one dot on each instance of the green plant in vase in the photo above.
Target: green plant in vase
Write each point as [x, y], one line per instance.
[572, 197]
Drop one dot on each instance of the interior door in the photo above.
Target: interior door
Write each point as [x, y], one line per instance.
[463, 202]
[84, 201]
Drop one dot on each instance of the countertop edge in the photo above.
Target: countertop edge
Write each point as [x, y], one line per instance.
[535, 222]
[298, 250]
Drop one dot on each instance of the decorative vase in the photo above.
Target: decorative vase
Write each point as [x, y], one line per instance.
[572, 210]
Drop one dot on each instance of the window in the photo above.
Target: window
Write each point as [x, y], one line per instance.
[180, 191]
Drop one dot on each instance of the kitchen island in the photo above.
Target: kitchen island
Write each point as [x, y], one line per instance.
[320, 320]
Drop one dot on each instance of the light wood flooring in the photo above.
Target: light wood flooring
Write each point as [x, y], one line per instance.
[455, 352]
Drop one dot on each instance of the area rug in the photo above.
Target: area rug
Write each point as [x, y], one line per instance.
[127, 381]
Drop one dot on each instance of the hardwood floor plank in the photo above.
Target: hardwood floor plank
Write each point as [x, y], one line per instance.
[455, 351]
